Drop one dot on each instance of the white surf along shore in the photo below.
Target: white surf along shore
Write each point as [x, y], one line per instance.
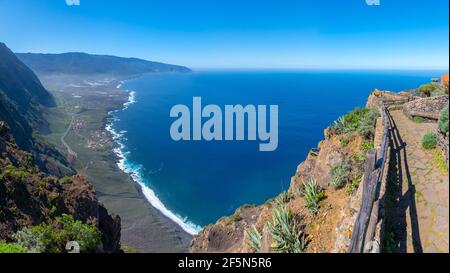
[135, 170]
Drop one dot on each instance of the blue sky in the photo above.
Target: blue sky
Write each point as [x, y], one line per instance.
[398, 34]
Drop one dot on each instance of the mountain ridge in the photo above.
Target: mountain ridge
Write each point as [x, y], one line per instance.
[84, 63]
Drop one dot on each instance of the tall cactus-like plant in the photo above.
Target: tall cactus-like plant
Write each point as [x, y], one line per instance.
[254, 239]
[286, 231]
[313, 195]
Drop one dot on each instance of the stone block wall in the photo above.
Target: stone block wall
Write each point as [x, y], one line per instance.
[426, 108]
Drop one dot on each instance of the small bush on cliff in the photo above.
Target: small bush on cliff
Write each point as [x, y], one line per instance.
[254, 239]
[443, 120]
[65, 229]
[362, 121]
[429, 141]
[283, 198]
[345, 142]
[438, 92]
[369, 122]
[33, 242]
[286, 231]
[16, 173]
[439, 159]
[353, 185]
[313, 195]
[418, 120]
[340, 174]
[366, 146]
[65, 180]
[11, 248]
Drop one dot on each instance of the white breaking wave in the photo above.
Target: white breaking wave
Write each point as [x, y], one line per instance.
[135, 171]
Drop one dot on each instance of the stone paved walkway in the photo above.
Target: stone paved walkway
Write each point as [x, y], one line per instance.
[421, 191]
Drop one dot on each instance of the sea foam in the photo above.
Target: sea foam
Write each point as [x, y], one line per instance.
[136, 171]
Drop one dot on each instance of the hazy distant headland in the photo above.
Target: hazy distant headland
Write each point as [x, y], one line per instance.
[86, 64]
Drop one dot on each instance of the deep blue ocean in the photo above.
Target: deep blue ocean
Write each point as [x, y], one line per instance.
[196, 183]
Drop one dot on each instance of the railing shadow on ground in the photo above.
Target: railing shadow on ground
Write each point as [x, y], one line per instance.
[371, 220]
[396, 221]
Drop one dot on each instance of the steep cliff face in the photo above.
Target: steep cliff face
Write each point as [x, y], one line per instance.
[23, 89]
[29, 197]
[20, 83]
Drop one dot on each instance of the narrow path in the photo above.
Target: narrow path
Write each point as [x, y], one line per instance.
[70, 152]
[418, 193]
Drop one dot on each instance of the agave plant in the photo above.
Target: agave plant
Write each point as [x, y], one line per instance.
[339, 125]
[286, 231]
[340, 174]
[254, 239]
[300, 190]
[313, 196]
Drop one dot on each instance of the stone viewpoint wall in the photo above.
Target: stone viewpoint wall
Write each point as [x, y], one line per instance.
[426, 108]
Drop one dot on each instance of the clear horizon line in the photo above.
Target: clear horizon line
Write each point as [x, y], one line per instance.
[321, 68]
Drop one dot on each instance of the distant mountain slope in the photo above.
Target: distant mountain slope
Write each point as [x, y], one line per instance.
[21, 98]
[22, 102]
[19, 125]
[19, 82]
[82, 63]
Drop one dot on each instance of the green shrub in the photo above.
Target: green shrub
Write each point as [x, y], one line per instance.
[418, 119]
[313, 195]
[438, 92]
[340, 174]
[368, 122]
[427, 89]
[65, 229]
[359, 120]
[236, 217]
[440, 161]
[11, 248]
[367, 146]
[345, 142]
[65, 180]
[429, 141]
[283, 198]
[286, 232]
[16, 173]
[254, 239]
[42, 184]
[443, 120]
[26, 239]
[352, 187]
